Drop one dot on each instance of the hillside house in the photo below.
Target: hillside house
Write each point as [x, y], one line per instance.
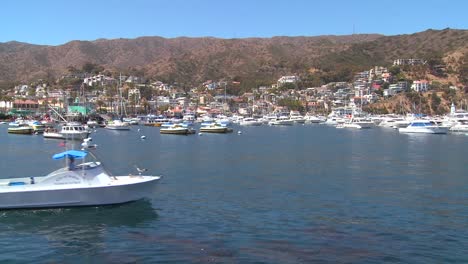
[420, 86]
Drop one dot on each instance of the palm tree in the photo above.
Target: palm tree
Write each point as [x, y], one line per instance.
[145, 104]
[100, 104]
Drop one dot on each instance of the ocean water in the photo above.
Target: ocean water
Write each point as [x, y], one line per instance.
[300, 194]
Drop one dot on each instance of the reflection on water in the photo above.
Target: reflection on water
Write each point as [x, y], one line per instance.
[69, 231]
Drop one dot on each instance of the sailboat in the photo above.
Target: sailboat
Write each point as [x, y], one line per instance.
[119, 124]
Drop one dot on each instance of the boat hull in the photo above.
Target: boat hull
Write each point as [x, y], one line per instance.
[67, 136]
[181, 131]
[433, 130]
[118, 127]
[124, 189]
[282, 123]
[214, 130]
[20, 130]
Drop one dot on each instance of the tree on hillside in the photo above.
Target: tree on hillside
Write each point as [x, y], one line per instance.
[292, 104]
[394, 70]
[287, 86]
[435, 101]
[463, 70]
[92, 68]
[72, 69]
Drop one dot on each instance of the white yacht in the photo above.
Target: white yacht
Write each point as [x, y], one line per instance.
[297, 117]
[460, 126]
[424, 126]
[313, 119]
[394, 122]
[334, 121]
[85, 184]
[456, 120]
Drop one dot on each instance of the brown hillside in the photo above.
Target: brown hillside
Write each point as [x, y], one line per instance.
[196, 59]
[192, 59]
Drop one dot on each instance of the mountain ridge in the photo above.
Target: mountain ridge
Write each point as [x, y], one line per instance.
[188, 60]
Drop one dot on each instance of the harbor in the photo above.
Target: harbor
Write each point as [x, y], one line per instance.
[285, 132]
[271, 193]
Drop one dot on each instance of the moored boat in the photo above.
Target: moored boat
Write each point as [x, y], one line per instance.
[250, 121]
[174, 129]
[215, 128]
[74, 130]
[281, 121]
[424, 126]
[358, 123]
[24, 129]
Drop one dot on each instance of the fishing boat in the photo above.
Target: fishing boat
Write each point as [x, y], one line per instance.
[53, 133]
[69, 131]
[85, 184]
[24, 129]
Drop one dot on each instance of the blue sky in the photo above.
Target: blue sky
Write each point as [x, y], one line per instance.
[55, 22]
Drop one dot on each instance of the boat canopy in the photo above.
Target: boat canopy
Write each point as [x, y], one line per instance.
[70, 154]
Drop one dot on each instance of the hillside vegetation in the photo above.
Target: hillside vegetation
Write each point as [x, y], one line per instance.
[252, 61]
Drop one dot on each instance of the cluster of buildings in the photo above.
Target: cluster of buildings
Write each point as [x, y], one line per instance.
[367, 87]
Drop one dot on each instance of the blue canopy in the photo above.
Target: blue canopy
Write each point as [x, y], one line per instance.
[70, 153]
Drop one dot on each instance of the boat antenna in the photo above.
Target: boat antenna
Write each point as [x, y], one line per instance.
[57, 113]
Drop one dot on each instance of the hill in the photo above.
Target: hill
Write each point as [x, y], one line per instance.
[252, 60]
[193, 59]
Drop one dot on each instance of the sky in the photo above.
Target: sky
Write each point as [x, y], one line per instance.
[56, 22]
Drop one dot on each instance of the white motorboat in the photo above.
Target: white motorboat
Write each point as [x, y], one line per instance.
[424, 126]
[313, 119]
[297, 117]
[334, 121]
[118, 125]
[250, 121]
[281, 121]
[69, 131]
[92, 123]
[461, 126]
[358, 123]
[85, 184]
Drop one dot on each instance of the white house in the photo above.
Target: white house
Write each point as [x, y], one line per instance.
[134, 93]
[22, 90]
[420, 86]
[288, 79]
